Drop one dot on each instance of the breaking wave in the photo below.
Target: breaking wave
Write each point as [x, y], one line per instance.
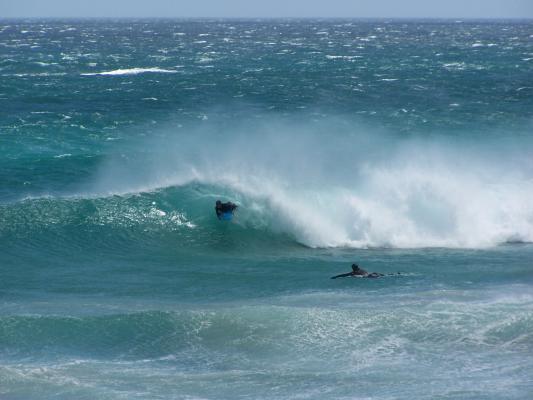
[330, 184]
[323, 185]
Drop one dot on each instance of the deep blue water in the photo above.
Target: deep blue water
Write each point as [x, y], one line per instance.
[404, 146]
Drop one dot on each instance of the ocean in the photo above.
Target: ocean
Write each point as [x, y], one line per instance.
[405, 146]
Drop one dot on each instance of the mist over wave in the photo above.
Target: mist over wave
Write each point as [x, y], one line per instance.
[336, 183]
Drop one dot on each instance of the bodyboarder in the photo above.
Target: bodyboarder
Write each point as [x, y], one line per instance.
[225, 210]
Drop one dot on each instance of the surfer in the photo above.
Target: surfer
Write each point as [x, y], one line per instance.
[224, 210]
[357, 271]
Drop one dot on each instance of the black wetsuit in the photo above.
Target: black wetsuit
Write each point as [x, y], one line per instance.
[356, 271]
[222, 208]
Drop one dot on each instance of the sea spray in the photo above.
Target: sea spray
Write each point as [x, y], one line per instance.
[337, 183]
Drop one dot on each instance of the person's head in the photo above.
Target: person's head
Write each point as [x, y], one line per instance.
[355, 267]
[218, 202]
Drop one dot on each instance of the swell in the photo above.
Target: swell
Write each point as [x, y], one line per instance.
[262, 332]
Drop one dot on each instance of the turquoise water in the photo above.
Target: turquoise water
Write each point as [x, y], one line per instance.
[404, 146]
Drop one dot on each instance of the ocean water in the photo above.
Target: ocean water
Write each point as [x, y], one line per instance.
[404, 146]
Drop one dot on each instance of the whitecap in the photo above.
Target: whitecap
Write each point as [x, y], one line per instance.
[43, 64]
[131, 71]
[205, 60]
[332, 57]
[455, 66]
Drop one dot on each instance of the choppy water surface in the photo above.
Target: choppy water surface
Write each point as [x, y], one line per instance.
[402, 145]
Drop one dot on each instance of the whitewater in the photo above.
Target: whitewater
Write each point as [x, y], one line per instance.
[404, 146]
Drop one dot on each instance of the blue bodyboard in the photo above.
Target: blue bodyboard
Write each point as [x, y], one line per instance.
[226, 216]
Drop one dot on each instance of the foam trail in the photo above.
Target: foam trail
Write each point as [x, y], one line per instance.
[354, 188]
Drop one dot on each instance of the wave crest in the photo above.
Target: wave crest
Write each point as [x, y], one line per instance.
[131, 71]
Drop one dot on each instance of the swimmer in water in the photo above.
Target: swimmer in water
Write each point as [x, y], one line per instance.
[359, 272]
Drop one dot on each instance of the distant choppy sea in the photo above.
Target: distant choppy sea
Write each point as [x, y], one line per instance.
[404, 146]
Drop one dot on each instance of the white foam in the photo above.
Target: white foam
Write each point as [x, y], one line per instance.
[455, 66]
[43, 64]
[131, 71]
[332, 57]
